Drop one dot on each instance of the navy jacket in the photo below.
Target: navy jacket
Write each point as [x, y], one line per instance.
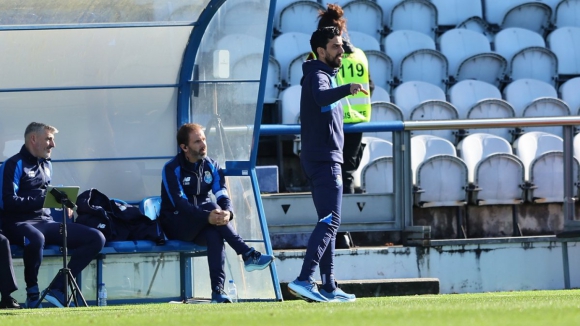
[321, 115]
[24, 179]
[185, 186]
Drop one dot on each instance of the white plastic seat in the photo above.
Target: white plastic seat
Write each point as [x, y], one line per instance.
[535, 16]
[281, 5]
[567, 13]
[374, 147]
[290, 104]
[569, 93]
[246, 18]
[425, 65]
[464, 94]
[380, 95]
[520, 93]
[416, 15]
[294, 73]
[459, 44]
[398, 44]
[577, 146]
[546, 107]
[384, 111]
[381, 68]
[535, 63]
[246, 67]
[543, 160]
[565, 43]
[495, 11]
[410, 94]
[439, 176]
[488, 67]
[435, 110]
[493, 169]
[453, 12]
[512, 40]
[300, 16]
[363, 41]
[251, 45]
[479, 25]
[377, 176]
[287, 47]
[364, 16]
[492, 109]
[387, 8]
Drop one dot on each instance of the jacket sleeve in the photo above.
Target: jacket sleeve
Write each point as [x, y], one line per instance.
[323, 92]
[220, 190]
[10, 201]
[177, 196]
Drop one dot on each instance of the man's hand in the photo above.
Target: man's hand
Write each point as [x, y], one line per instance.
[219, 217]
[355, 88]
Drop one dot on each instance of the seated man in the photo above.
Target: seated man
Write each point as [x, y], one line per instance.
[7, 278]
[188, 214]
[24, 181]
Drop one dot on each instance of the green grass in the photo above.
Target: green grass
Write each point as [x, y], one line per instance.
[505, 308]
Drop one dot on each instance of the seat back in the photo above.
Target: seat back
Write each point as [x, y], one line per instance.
[364, 16]
[425, 146]
[565, 43]
[479, 25]
[499, 178]
[294, 73]
[398, 44]
[381, 68]
[567, 13]
[377, 176]
[374, 147]
[533, 144]
[495, 11]
[492, 109]
[475, 147]
[380, 95]
[384, 111]
[387, 7]
[453, 12]
[425, 65]
[547, 107]
[488, 67]
[520, 93]
[459, 44]
[415, 15]
[466, 93]
[410, 94]
[300, 16]
[151, 207]
[272, 81]
[512, 40]
[441, 180]
[535, 63]
[362, 40]
[287, 47]
[534, 16]
[434, 110]
[569, 93]
[290, 104]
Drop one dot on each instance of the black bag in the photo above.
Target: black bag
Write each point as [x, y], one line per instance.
[117, 221]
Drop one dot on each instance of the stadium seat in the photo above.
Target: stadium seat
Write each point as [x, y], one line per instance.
[543, 160]
[535, 63]
[387, 8]
[273, 81]
[492, 109]
[280, 6]
[398, 44]
[252, 45]
[488, 67]
[381, 68]
[495, 11]
[416, 15]
[384, 111]
[547, 107]
[246, 68]
[495, 174]
[567, 14]
[363, 41]
[478, 25]
[439, 176]
[246, 18]
[512, 40]
[294, 73]
[380, 95]
[565, 43]
[465, 94]
[374, 147]
[452, 12]
[287, 47]
[535, 16]
[425, 65]
[300, 16]
[435, 110]
[377, 176]
[410, 94]
[290, 104]
[364, 16]
[569, 93]
[522, 92]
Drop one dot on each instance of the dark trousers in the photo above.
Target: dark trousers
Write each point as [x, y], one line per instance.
[7, 278]
[84, 242]
[212, 236]
[326, 186]
[352, 153]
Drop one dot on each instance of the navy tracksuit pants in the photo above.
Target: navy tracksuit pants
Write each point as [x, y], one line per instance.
[7, 278]
[211, 236]
[84, 242]
[326, 185]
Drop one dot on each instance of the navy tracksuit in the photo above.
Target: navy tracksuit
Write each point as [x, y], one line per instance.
[185, 208]
[7, 278]
[23, 181]
[321, 118]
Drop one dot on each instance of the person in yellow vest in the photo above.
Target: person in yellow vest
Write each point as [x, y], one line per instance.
[357, 108]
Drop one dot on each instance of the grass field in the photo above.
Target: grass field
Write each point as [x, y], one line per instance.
[505, 308]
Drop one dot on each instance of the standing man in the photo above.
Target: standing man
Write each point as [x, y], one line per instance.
[188, 214]
[24, 179]
[7, 278]
[321, 157]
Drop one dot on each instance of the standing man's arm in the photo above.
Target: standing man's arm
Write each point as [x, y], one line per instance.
[10, 174]
[324, 94]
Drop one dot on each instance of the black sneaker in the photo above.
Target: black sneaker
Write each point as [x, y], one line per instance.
[9, 302]
[218, 295]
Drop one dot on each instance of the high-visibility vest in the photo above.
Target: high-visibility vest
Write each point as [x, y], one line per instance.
[354, 69]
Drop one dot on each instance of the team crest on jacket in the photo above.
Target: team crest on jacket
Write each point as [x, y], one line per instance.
[207, 177]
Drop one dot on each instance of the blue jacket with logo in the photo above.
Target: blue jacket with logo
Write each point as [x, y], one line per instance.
[185, 186]
[24, 179]
[321, 114]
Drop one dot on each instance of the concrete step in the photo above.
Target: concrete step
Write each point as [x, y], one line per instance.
[381, 287]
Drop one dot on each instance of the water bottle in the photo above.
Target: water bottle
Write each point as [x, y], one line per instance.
[102, 299]
[233, 291]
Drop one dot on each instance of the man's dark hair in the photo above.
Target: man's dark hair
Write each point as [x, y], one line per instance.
[184, 130]
[321, 36]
